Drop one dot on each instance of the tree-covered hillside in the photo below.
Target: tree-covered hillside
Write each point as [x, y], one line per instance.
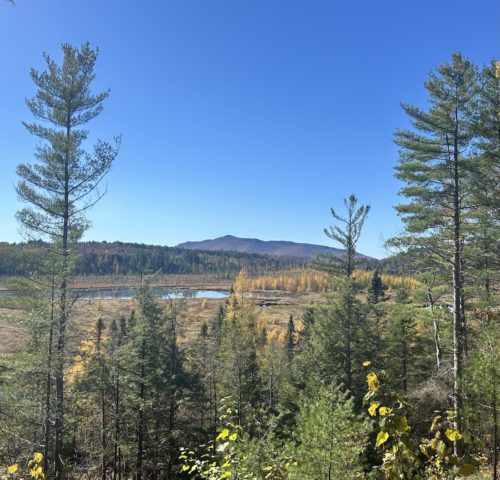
[117, 258]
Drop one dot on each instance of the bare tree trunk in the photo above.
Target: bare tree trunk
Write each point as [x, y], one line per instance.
[49, 380]
[435, 324]
[63, 315]
[60, 348]
[458, 327]
[495, 427]
[140, 426]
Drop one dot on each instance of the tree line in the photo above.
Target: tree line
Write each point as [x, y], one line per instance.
[119, 259]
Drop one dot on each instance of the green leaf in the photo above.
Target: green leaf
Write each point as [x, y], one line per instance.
[466, 469]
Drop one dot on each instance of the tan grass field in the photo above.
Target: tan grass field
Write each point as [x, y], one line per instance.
[272, 308]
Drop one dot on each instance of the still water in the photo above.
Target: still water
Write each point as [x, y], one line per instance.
[161, 292]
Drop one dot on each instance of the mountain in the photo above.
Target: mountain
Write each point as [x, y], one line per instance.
[281, 248]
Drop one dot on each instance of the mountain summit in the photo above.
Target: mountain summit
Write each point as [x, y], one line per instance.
[253, 245]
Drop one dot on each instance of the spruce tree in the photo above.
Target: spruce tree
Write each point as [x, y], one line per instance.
[329, 436]
[376, 291]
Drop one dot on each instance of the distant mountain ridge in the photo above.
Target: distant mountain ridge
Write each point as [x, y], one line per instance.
[280, 248]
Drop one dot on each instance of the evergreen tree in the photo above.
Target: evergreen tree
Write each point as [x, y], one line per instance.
[401, 341]
[347, 234]
[239, 373]
[435, 164]
[63, 184]
[339, 340]
[290, 340]
[155, 388]
[483, 386]
[485, 225]
[329, 436]
[376, 291]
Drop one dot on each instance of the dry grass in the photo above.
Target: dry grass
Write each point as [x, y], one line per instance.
[11, 338]
[273, 311]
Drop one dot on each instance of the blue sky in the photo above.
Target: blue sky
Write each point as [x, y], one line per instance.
[249, 118]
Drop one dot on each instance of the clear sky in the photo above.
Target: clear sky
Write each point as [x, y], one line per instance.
[249, 118]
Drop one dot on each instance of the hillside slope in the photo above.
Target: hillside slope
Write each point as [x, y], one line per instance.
[230, 243]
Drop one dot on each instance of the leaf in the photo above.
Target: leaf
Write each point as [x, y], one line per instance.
[367, 363]
[372, 410]
[435, 422]
[38, 457]
[13, 468]
[466, 469]
[233, 436]
[381, 438]
[401, 424]
[383, 411]
[372, 381]
[224, 434]
[222, 447]
[453, 434]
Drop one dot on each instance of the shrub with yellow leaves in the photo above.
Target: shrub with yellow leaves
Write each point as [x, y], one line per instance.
[34, 470]
[404, 457]
[224, 458]
[220, 459]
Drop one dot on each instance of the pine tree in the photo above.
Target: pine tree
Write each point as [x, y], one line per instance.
[484, 251]
[347, 234]
[435, 164]
[63, 184]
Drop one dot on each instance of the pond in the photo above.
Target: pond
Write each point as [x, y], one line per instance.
[126, 293]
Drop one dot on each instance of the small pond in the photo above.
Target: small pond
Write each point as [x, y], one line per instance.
[125, 293]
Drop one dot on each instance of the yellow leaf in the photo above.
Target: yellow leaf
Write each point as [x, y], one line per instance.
[367, 363]
[185, 467]
[13, 468]
[372, 381]
[435, 422]
[38, 457]
[453, 434]
[224, 434]
[233, 436]
[381, 438]
[383, 411]
[372, 410]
